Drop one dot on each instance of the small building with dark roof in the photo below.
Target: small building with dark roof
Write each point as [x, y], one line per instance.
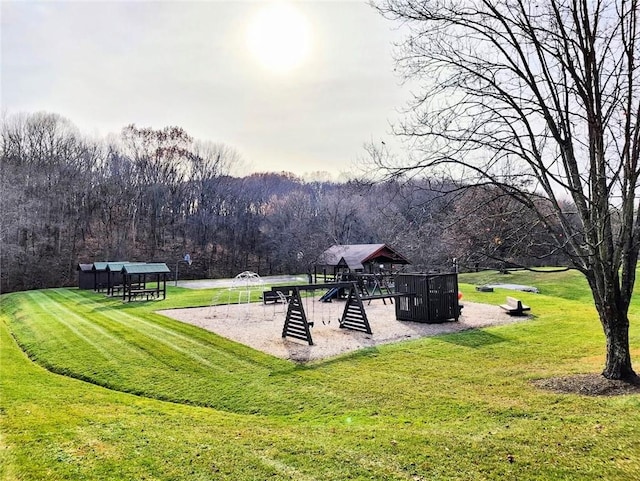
[86, 278]
[100, 276]
[359, 258]
[103, 276]
[114, 276]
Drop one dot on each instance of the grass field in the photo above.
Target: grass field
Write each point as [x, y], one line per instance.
[92, 388]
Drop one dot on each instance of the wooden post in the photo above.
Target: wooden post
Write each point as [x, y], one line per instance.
[296, 324]
[354, 316]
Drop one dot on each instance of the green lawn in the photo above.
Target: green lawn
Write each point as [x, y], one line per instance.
[108, 390]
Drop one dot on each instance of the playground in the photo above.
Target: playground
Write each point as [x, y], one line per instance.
[260, 326]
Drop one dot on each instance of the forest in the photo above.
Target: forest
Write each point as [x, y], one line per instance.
[147, 194]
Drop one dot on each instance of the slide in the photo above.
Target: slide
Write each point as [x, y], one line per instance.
[330, 294]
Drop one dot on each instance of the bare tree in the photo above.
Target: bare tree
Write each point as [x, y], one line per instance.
[541, 99]
[46, 169]
[162, 159]
[209, 162]
[497, 231]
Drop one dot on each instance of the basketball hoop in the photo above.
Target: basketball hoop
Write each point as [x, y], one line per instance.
[187, 260]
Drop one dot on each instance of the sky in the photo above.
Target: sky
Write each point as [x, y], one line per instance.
[300, 87]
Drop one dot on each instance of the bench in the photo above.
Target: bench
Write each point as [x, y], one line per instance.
[484, 288]
[118, 288]
[514, 307]
[274, 296]
[134, 293]
[380, 296]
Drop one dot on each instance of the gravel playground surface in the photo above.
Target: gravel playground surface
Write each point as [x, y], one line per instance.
[260, 326]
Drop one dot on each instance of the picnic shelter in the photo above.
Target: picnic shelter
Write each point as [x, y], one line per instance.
[360, 259]
[137, 277]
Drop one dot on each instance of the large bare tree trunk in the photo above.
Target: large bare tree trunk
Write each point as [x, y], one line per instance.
[612, 307]
[618, 361]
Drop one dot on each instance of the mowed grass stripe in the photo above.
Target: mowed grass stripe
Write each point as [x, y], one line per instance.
[184, 344]
[188, 334]
[132, 325]
[109, 368]
[131, 341]
[150, 333]
[85, 356]
[99, 336]
[52, 316]
[158, 372]
[161, 369]
[26, 317]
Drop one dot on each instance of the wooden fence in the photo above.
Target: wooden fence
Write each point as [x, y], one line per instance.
[427, 297]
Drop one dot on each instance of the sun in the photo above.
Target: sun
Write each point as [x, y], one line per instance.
[279, 37]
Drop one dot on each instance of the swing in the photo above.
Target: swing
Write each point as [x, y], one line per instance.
[285, 303]
[313, 308]
[323, 316]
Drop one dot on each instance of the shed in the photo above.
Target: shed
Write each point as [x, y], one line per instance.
[427, 298]
[359, 258]
[136, 277]
[100, 276]
[86, 278]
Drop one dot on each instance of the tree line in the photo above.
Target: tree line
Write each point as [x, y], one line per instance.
[155, 194]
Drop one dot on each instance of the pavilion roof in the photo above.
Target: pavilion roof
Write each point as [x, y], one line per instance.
[99, 266]
[355, 255]
[117, 266]
[148, 268]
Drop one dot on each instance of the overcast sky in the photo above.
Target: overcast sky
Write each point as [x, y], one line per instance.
[104, 65]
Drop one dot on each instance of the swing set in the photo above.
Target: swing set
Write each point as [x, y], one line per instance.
[429, 298]
[297, 324]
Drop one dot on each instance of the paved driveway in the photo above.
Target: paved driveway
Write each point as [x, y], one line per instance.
[210, 283]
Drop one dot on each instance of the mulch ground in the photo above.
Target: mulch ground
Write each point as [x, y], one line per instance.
[260, 326]
[589, 385]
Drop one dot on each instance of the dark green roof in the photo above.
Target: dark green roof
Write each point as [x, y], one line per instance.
[99, 266]
[117, 266]
[152, 268]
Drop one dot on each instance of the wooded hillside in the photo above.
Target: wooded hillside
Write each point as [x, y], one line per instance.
[153, 195]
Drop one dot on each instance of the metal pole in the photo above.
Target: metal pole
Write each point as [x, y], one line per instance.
[186, 260]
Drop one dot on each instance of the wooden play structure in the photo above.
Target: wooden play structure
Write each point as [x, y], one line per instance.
[425, 298]
[371, 286]
[357, 259]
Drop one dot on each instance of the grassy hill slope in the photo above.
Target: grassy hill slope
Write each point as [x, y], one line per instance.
[165, 400]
